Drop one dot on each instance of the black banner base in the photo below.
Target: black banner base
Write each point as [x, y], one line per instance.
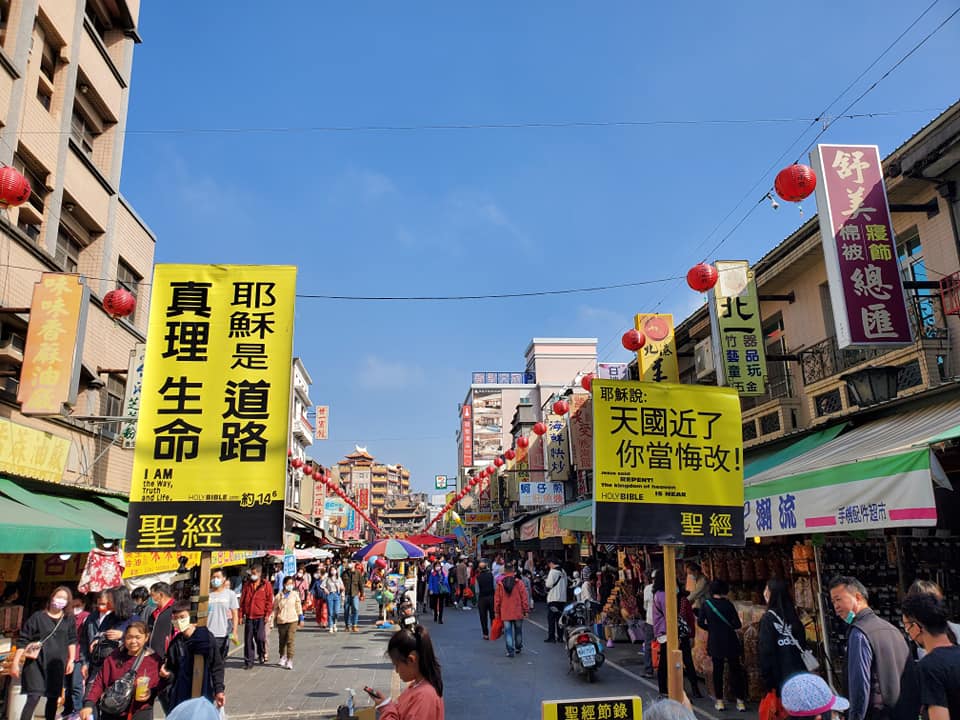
[652, 524]
[198, 526]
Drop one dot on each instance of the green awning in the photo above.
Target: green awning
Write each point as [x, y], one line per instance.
[80, 513]
[578, 516]
[25, 530]
[115, 502]
[801, 446]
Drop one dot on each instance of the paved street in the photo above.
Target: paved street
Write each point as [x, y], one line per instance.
[478, 678]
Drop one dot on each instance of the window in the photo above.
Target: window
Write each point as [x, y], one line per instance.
[83, 131]
[68, 251]
[96, 20]
[4, 19]
[37, 178]
[44, 95]
[48, 59]
[913, 267]
[129, 280]
[113, 393]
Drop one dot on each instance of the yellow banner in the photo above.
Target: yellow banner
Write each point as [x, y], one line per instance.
[32, 453]
[737, 329]
[658, 357]
[51, 361]
[152, 563]
[211, 451]
[610, 708]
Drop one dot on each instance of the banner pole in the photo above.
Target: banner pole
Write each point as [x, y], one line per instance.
[203, 602]
[673, 657]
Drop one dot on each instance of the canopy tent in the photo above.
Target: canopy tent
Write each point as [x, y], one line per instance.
[424, 539]
[875, 476]
[577, 516]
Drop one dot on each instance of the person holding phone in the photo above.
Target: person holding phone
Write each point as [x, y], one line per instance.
[412, 655]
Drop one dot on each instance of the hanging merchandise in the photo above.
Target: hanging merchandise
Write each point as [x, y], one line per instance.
[104, 570]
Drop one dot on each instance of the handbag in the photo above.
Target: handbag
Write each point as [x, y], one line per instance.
[810, 661]
[32, 650]
[116, 699]
[496, 629]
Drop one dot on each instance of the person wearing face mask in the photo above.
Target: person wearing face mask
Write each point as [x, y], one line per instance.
[287, 616]
[223, 612]
[160, 623]
[102, 633]
[52, 634]
[189, 642]
[876, 653]
[439, 588]
[146, 676]
[75, 686]
[256, 605]
[938, 672]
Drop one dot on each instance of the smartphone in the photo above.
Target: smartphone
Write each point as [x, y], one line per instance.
[371, 692]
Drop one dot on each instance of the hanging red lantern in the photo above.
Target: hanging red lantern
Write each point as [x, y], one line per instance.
[540, 429]
[14, 187]
[795, 183]
[633, 340]
[510, 454]
[561, 407]
[306, 470]
[490, 469]
[586, 382]
[296, 462]
[523, 442]
[289, 453]
[498, 461]
[119, 303]
[702, 277]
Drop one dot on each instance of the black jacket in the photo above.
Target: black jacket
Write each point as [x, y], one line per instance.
[485, 585]
[181, 655]
[721, 622]
[161, 628]
[778, 657]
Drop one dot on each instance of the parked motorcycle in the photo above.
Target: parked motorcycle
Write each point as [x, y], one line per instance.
[538, 586]
[584, 648]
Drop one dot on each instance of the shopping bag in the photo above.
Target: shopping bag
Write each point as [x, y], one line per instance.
[655, 653]
[496, 629]
[771, 708]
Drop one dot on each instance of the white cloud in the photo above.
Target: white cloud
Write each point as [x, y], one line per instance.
[372, 184]
[377, 373]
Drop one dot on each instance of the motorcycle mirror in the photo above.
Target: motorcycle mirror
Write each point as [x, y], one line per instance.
[578, 591]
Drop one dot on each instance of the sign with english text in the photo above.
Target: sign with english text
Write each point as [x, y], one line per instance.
[859, 247]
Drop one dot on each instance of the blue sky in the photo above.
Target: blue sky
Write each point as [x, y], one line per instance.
[482, 211]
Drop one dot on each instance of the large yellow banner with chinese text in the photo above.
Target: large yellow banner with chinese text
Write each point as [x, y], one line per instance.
[32, 453]
[211, 450]
[153, 563]
[668, 463]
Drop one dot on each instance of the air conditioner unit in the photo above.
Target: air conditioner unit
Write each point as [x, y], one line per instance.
[703, 358]
[11, 349]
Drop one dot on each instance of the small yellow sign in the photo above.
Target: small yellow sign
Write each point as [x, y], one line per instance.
[657, 359]
[32, 453]
[610, 708]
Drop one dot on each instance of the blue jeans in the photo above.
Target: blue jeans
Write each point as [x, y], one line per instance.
[333, 607]
[73, 699]
[351, 610]
[513, 635]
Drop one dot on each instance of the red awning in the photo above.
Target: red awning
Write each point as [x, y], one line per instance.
[424, 539]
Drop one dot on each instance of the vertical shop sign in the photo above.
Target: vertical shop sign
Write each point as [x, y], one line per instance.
[739, 355]
[131, 401]
[657, 358]
[558, 459]
[466, 435]
[859, 247]
[581, 431]
[211, 447]
[668, 464]
[51, 361]
[323, 422]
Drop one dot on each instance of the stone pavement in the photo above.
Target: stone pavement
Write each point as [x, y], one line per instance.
[324, 666]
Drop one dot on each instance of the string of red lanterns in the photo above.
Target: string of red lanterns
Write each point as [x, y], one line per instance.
[332, 486]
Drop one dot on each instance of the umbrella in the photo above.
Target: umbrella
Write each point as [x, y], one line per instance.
[390, 549]
[424, 539]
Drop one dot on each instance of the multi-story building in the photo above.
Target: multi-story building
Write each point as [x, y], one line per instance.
[299, 494]
[374, 486]
[65, 68]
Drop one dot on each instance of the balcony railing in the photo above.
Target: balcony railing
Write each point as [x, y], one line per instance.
[825, 359]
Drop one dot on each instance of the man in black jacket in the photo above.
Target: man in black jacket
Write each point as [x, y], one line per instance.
[485, 592]
[160, 623]
[190, 645]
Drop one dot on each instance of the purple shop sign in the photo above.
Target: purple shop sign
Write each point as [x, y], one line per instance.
[859, 247]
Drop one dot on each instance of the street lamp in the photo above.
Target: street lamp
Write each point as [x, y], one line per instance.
[872, 385]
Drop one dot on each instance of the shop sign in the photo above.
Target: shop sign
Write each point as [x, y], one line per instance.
[32, 453]
[138, 564]
[364, 499]
[859, 247]
[541, 494]
[440, 482]
[558, 460]
[535, 457]
[550, 526]
[581, 430]
[507, 535]
[530, 530]
[51, 360]
[668, 464]
[323, 422]
[481, 518]
[52, 568]
[658, 356]
[857, 498]
[493, 377]
[466, 436]
[131, 403]
[613, 371]
[211, 450]
[487, 407]
[612, 708]
[739, 355]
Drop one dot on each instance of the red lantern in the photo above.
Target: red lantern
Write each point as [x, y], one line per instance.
[795, 183]
[119, 303]
[702, 277]
[289, 453]
[14, 187]
[523, 442]
[296, 462]
[633, 340]
[561, 407]
[490, 469]
[586, 382]
[475, 482]
[498, 461]
[306, 470]
[540, 429]
[509, 454]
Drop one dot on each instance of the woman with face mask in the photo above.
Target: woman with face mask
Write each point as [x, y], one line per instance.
[287, 616]
[49, 639]
[102, 632]
[439, 588]
[146, 678]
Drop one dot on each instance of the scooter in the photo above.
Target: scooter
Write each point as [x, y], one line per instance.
[584, 648]
[539, 587]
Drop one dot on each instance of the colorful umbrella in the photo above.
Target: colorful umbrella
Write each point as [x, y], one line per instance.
[424, 539]
[390, 549]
